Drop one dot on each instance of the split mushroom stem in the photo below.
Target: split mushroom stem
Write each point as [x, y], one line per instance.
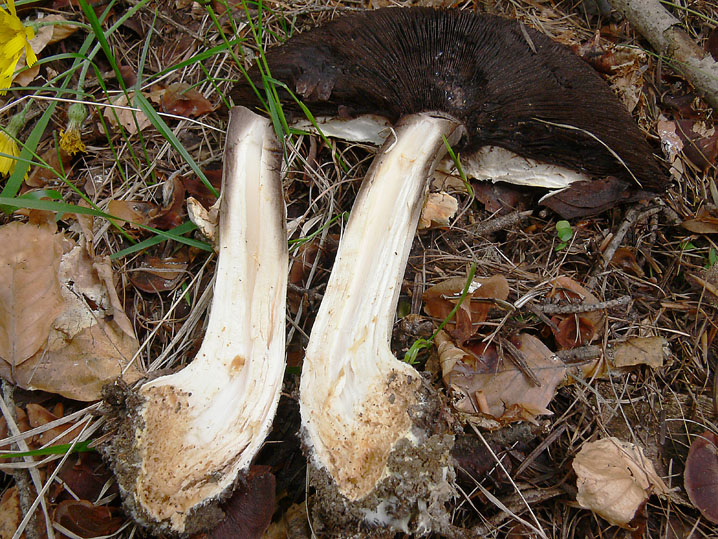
[355, 395]
[197, 429]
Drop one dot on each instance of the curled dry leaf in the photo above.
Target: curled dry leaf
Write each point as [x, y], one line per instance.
[131, 212]
[164, 217]
[249, 510]
[483, 383]
[206, 220]
[183, 100]
[87, 520]
[701, 475]
[438, 209]
[575, 329]
[440, 299]
[157, 274]
[89, 339]
[625, 259]
[614, 479]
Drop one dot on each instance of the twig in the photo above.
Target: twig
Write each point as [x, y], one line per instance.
[22, 477]
[575, 308]
[632, 217]
[500, 223]
[518, 358]
[665, 34]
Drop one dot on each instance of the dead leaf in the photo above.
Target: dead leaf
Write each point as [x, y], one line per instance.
[170, 214]
[29, 261]
[625, 259]
[90, 340]
[249, 511]
[585, 198]
[131, 212]
[123, 114]
[39, 415]
[640, 351]
[205, 220]
[157, 274]
[502, 198]
[87, 520]
[10, 513]
[438, 209]
[183, 100]
[58, 159]
[614, 479]
[496, 388]
[701, 475]
[440, 299]
[573, 330]
[700, 142]
[705, 222]
[195, 187]
[86, 474]
[22, 424]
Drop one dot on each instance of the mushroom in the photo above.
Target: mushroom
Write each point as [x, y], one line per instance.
[475, 80]
[189, 434]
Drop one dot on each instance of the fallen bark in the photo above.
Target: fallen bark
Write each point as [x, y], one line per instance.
[664, 33]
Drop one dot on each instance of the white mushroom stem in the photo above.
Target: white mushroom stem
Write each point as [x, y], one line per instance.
[199, 428]
[355, 396]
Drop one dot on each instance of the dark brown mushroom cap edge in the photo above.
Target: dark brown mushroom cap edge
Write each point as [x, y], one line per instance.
[505, 83]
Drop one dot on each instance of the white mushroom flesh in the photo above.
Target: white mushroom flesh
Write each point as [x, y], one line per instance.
[355, 395]
[203, 425]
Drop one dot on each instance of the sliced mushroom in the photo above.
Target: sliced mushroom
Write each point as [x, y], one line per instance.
[369, 421]
[191, 433]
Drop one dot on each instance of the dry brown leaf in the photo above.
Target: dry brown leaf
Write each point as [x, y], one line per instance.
[131, 120]
[701, 475]
[705, 222]
[157, 274]
[30, 297]
[57, 159]
[640, 351]
[87, 520]
[38, 416]
[10, 513]
[131, 212]
[89, 340]
[573, 330]
[181, 99]
[614, 479]
[437, 210]
[502, 392]
[440, 299]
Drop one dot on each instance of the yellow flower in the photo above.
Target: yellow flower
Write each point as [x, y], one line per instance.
[14, 38]
[7, 146]
[71, 140]
[9, 150]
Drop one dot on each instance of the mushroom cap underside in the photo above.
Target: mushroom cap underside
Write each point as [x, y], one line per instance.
[510, 85]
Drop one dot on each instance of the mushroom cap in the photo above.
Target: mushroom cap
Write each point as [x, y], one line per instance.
[506, 83]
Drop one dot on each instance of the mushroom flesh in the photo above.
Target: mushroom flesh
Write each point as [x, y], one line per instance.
[189, 434]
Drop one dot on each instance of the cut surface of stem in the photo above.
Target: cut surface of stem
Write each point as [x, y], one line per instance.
[355, 395]
[197, 429]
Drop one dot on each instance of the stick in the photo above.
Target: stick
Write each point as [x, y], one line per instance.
[664, 33]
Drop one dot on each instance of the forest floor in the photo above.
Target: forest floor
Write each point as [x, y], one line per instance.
[642, 359]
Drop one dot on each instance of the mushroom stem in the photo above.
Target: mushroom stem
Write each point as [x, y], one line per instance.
[196, 430]
[355, 396]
